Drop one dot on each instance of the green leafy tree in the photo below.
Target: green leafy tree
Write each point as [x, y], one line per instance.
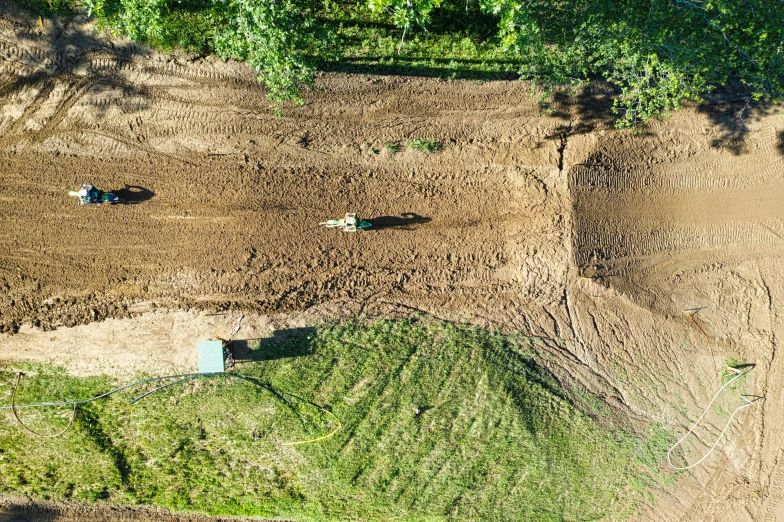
[272, 36]
[658, 53]
[164, 24]
[140, 20]
[405, 13]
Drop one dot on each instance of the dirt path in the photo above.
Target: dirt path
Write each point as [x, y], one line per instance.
[697, 233]
[553, 224]
[224, 200]
[19, 509]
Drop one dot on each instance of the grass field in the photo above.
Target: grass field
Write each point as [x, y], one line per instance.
[460, 43]
[495, 437]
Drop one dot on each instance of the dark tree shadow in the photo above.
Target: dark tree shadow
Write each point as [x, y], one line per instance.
[412, 67]
[586, 111]
[291, 342]
[732, 114]
[583, 112]
[69, 44]
[405, 221]
[780, 144]
[133, 194]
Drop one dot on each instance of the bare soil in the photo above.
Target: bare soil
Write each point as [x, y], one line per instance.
[19, 509]
[549, 223]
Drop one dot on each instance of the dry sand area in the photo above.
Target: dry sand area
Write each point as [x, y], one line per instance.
[552, 224]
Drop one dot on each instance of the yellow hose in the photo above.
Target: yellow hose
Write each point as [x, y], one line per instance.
[328, 435]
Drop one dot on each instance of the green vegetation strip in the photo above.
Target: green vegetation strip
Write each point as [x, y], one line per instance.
[438, 421]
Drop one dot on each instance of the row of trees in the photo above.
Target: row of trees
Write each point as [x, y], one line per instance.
[656, 52]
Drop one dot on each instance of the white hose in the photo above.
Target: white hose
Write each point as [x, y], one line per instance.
[746, 405]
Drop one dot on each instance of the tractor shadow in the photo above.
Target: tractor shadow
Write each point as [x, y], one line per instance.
[284, 344]
[405, 221]
[133, 194]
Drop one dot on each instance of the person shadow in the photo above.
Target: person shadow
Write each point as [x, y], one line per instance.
[405, 221]
[133, 194]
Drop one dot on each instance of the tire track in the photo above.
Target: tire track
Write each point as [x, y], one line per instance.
[630, 215]
[193, 73]
[69, 99]
[775, 493]
[12, 135]
[586, 179]
[600, 239]
[113, 64]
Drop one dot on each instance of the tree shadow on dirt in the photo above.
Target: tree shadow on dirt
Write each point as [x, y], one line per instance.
[583, 112]
[133, 194]
[592, 108]
[405, 221]
[732, 116]
[780, 144]
[284, 344]
[63, 48]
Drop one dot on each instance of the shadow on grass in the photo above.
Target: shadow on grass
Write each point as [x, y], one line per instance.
[284, 344]
[90, 423]
[422, 68]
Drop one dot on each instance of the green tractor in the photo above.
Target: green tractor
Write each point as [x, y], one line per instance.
[350, 223]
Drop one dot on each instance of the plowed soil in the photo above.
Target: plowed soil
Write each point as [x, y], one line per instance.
[550, 223]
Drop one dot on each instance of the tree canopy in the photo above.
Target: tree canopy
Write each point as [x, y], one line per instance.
[656, 53]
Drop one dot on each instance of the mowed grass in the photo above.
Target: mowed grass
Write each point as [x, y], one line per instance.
[495, 437]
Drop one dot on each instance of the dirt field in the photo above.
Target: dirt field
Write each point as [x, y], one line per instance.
[553, 224]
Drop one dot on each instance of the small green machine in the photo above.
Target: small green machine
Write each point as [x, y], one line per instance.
[215, 356]
[351, 223]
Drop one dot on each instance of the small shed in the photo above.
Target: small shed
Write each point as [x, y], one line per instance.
[212, 356]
